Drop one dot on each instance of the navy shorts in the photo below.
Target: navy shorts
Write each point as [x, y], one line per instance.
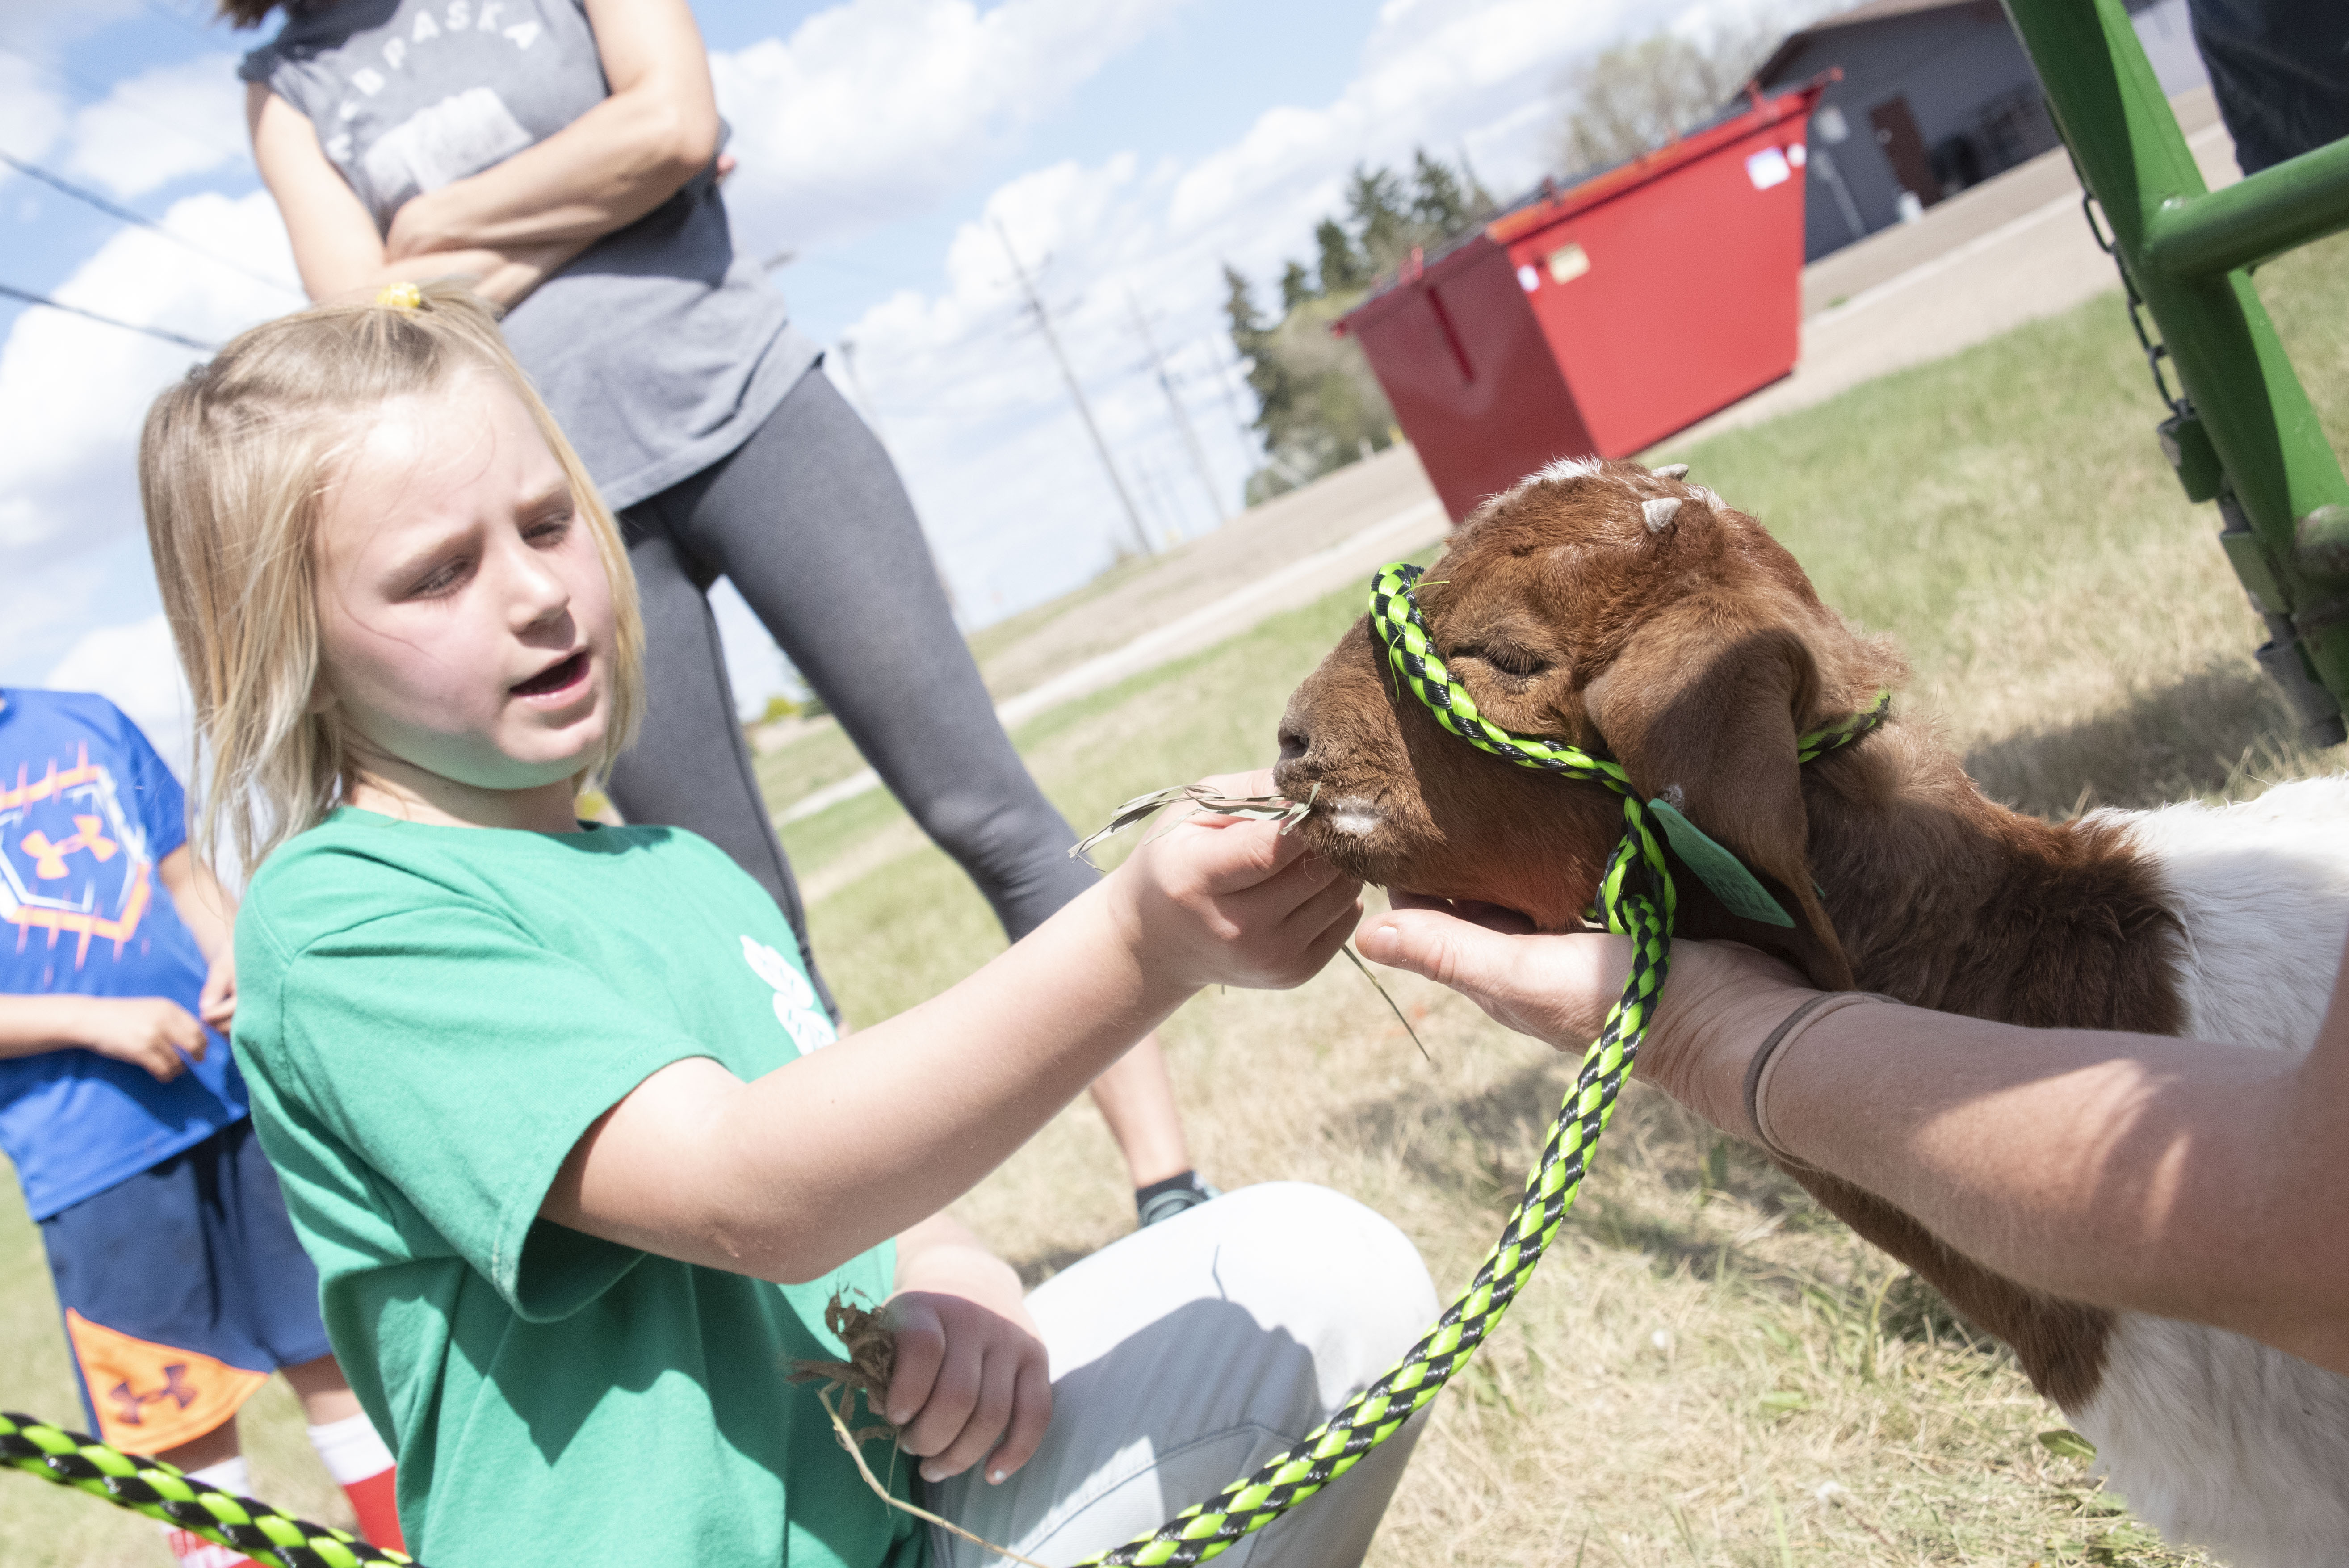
[184, 1288]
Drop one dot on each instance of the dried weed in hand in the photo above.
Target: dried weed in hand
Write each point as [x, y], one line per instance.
[872, 1362]
[1263, 808]
[872, 1354]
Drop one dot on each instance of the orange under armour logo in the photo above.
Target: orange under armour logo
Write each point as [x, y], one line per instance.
[49, 858]
[175, 1389]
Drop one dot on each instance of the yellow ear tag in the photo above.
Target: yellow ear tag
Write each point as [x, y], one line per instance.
[401, 297]
[1724, 873]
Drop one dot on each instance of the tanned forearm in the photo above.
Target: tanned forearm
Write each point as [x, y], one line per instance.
[2174, 1177]
[611, 166]
[505, 278]
[601, 173]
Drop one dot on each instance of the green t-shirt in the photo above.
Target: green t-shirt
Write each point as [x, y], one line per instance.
[430, 1018]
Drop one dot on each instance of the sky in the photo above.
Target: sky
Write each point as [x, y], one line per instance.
[1126, 149]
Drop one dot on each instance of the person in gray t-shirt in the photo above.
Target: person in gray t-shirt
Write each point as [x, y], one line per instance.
[562, 155]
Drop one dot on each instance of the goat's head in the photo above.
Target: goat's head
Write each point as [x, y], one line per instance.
[1622, 611]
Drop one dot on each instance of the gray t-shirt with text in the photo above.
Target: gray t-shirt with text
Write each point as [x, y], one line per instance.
[658, 349]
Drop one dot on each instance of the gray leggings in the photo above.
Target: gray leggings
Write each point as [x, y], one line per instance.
[809, 521]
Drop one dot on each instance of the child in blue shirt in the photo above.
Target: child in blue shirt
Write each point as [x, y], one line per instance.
[123, 1112]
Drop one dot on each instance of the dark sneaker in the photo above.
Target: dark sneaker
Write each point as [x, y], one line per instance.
[1164, 1200]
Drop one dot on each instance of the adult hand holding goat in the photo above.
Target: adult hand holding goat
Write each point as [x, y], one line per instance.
[2136, 1171]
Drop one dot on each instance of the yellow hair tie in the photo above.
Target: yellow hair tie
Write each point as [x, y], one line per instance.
[401, 297]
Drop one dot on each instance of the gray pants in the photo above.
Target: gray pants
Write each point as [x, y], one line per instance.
[1185, 1356]
[809, 521]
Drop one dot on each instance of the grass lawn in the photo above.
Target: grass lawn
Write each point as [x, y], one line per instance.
[1708, 1369]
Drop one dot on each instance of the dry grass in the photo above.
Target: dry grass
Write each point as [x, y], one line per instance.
[1707, 1369]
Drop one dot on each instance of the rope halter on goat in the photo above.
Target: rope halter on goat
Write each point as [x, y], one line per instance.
[1636, 899]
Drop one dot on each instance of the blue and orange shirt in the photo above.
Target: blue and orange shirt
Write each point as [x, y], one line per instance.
[88, 811]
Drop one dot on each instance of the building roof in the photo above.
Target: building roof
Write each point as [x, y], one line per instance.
[1858, 16]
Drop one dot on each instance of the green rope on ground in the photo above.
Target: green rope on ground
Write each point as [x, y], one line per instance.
[152, 1487]
[1636, 899]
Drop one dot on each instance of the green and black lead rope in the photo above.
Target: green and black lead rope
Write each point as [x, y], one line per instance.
[160, 1492]
[1636, 899]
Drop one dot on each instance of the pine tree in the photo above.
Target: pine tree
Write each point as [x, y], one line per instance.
[1375, 199]
[1268, 375]
[1437, 202]
[1296, 286]
[1344, 269]
[1239, 308]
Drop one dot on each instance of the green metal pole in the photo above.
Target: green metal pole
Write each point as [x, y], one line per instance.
[2280, 488]
[2303, 199]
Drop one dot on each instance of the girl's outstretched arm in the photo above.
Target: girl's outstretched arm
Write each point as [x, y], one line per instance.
[793, 1174]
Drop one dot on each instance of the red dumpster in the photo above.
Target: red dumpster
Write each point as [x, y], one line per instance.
[1598, 320]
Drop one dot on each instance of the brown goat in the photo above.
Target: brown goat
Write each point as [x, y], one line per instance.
[1640, 618]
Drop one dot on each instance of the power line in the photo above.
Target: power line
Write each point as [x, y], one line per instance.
[1077, 393]
[125, 215]
[103, 91]
[1182, 415]
[9, 291]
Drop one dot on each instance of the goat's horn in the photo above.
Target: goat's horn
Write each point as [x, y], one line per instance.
[1659, 512]
[1671, 471]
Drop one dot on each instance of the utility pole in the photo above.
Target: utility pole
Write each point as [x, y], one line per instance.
[1182, 415]
[1076, 393]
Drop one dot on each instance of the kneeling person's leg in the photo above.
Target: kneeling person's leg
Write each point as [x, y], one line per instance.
[1184, 1356]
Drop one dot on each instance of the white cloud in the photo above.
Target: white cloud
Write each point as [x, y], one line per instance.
[31, 115]
[873, 110]
[72, 393]
[1009, 488]
[135, 668]
[162, 125]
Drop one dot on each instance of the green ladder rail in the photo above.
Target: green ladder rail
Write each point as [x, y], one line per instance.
[2243, 434]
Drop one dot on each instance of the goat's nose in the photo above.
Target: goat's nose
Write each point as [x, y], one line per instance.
[1294, 741]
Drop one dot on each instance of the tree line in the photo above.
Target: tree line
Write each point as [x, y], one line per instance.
[1317, 406]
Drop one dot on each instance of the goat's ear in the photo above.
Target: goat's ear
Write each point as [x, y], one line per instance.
[1707, 720]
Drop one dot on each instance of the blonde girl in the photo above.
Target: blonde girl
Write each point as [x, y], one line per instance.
[556, 1110]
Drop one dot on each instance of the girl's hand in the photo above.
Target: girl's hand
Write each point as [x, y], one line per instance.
[971, 1382]
[1228, 900]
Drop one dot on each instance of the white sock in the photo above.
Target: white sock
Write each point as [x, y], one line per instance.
[232, 1474]
[194, 1551]
[351, 1448]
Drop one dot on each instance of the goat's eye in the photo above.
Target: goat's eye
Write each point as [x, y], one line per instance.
[1509, 661]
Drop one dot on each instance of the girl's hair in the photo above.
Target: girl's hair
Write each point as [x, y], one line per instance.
[233, 466]
[247, 13]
